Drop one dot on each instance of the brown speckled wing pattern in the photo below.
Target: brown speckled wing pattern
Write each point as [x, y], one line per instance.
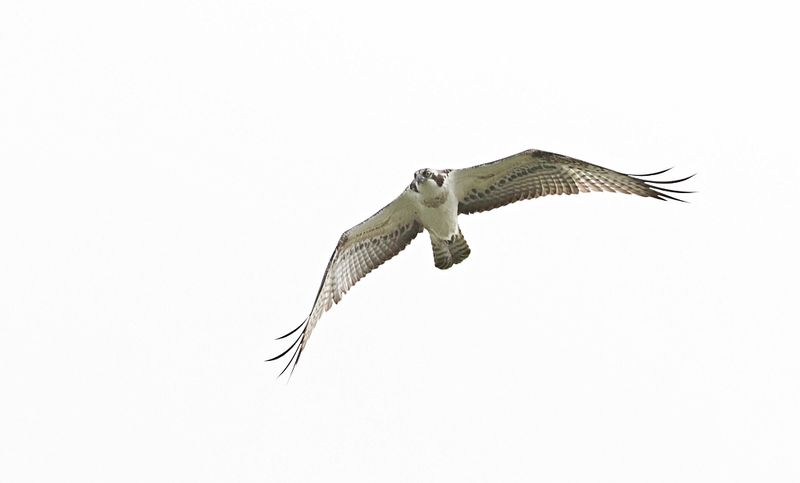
[531, 174]
[360, 250]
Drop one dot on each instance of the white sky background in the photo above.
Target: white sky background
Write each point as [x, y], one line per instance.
[175, 176]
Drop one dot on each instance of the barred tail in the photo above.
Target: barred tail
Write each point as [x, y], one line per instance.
[447, 253]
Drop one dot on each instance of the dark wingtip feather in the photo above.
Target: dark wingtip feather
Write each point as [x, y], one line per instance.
[664, 197]
[660, 192]
[297, 345]
[293, 330]
[673, 181]
[287, 350]
[672, 191]
[295, 357]
[296, 360]
[651, 174]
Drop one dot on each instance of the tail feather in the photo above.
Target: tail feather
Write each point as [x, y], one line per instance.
[459, 249]
[447, 253]
[441, 254]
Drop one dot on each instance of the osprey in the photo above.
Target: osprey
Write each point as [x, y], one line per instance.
[433, 201]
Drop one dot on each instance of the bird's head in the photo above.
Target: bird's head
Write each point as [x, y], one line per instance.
[428, 175]
[422, 175]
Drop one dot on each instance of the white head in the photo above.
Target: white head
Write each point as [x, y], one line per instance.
[428, 177]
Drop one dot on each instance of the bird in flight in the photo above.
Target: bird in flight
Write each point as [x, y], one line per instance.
[433, 201]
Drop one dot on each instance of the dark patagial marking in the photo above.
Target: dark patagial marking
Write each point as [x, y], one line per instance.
[441, 176]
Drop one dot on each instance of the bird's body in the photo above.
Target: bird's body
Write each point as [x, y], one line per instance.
[437, 208]
[433, 201]
[436, 204]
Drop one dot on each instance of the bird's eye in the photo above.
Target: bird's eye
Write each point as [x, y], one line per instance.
[426, 173]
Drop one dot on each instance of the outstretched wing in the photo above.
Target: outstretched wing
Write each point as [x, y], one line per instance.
[534, 173]
[360, 250]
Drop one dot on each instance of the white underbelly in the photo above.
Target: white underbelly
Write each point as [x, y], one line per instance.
[441, 221]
